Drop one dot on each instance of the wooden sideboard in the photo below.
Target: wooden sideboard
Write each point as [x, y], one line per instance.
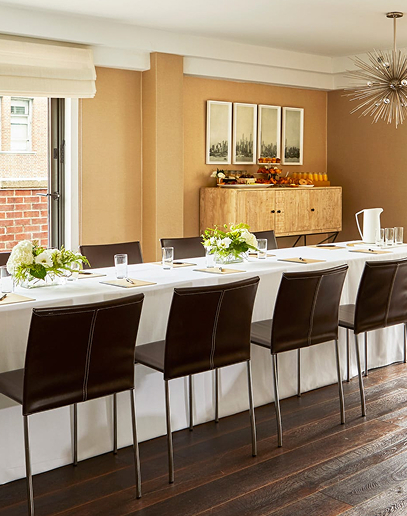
[289, 211]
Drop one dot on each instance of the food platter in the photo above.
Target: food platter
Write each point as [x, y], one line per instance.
[255, 185]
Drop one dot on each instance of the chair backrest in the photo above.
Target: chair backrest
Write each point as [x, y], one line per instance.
[271, 238]
[209, 327]
[382, 295]
[190, 247]
[4, 256]
[77, 353]
[103, 255]
[307, 308]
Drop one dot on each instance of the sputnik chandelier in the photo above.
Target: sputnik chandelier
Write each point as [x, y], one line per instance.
[384, 93]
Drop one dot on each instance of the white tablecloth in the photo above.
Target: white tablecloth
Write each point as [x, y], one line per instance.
[51, 431]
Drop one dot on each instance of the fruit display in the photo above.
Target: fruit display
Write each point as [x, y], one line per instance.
[269, 160]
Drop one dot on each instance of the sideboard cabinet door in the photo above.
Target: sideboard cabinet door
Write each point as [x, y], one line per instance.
[257, 209]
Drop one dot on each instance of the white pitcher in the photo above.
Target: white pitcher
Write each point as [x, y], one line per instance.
[371, 222]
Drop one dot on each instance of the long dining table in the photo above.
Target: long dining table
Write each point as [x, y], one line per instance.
[50, 431]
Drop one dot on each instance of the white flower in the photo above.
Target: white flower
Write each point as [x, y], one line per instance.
[249, 238]
[214, 173]
[224, 243]
[221, 175]
[22, 254]
[45, 258]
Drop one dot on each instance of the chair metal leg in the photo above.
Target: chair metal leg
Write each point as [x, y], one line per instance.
[347, 356]
[75, 434]
[169, 434]
[277, 403]
[361, 388]
[405, 343]
[216, 395]
[191, 408]
[30, 494]
[115, 423]
[338, 370]
[135, 445]
[299, 373]
[251, 408]
[366, 368]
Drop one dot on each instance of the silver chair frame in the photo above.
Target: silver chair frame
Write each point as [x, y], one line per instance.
[170, 447]
[277, 398]
[30, 492]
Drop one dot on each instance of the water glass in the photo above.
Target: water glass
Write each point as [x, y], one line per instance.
[398, 236]
[168, 257]
[74, 271]
[6, 280]
[389, 237]
[379, 237]
[261, 248]
[120, 263]
[210, 257]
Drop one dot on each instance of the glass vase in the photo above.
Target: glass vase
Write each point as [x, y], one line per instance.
[48, 281]
[230, 258]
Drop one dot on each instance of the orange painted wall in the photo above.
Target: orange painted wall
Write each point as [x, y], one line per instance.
[111, 183]
[369, 162]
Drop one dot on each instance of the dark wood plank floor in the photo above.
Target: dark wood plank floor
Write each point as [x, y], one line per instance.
[324, 468]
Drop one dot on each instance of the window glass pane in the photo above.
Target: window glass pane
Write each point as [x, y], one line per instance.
[19, 132]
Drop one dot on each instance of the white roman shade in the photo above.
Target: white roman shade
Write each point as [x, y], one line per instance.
[35, 68]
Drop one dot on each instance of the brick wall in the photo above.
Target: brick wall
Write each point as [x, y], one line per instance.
[23, 216]
[25, 164]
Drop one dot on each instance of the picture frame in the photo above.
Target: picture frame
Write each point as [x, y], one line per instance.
[269, 131]
[293, 136]
[244, 133]
[218, 132]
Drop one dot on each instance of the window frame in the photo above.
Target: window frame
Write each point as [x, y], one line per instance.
[29, 125]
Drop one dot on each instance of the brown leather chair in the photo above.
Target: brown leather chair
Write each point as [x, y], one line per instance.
[208, 328]
[103, 255]
[4, 256]
[75, 354]
[271, 238]
[190, 247]
[381, 301]
[315, 296]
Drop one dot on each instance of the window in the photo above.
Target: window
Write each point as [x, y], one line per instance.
[20, 124]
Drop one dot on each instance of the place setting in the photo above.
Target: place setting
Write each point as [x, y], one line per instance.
[122, 280]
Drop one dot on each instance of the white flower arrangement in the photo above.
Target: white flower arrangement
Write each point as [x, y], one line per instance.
[29, 261]
[218, 174]
[232, 243]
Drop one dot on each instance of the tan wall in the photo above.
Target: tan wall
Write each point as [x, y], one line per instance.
[111, 159]
[369, 162]
[197, 91]
[163, 159]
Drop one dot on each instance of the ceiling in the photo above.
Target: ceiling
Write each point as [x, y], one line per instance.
[323, 27]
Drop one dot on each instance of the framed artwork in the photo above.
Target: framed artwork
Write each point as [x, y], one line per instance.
[269, 131]
[293, 135]
[218, 132]
[244, 133]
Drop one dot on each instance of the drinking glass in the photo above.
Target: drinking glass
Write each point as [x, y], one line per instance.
[210, 257]
[74, 271]
[379, 237]
[120, 263]
[261, 247]
[398, 235]
[6, 280]
[389, 236]
[168, 257]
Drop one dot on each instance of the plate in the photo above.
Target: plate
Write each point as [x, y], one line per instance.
[256, 185]
[306, 186]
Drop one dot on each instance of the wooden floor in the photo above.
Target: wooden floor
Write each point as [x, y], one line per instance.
[324, 468]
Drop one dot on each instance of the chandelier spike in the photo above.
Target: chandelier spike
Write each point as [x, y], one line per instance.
[384, 92]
